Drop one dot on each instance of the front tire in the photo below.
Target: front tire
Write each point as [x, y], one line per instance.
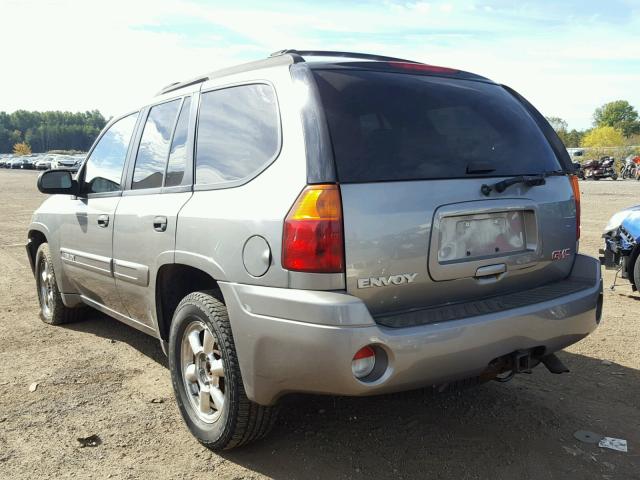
[206, 377]
[52, 309]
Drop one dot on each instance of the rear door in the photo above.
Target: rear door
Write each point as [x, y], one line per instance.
[159, 184]
[417, 158]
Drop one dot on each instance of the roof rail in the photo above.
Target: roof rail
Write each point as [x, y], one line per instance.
[329, 53]
[178, 85]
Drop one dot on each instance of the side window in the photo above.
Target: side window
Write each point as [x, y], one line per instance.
[238, 133]
[154, 146]
[103, 170]
[178, 152]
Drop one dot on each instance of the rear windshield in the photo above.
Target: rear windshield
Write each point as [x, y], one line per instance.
[395, 126]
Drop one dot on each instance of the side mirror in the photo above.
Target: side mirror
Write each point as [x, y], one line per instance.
[57, 181]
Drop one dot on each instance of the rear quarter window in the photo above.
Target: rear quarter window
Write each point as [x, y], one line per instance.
[397, 126]
[238, 134]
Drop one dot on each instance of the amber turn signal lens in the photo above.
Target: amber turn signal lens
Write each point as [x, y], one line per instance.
[313, 239]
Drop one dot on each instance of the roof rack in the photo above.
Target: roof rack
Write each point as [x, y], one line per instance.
[330, 53]
[177, 85]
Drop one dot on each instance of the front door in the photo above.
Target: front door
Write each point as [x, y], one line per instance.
[86, 245]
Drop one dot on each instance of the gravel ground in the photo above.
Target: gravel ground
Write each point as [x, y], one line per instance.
[100, 377]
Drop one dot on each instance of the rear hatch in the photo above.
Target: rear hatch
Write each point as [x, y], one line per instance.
[415, 155]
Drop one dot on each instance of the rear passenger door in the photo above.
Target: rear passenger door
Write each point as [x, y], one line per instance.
[158, 185]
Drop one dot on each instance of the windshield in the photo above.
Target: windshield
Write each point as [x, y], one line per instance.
[397, 126]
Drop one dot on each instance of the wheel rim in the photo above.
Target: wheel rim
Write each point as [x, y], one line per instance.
[45, 281]
[202, 371]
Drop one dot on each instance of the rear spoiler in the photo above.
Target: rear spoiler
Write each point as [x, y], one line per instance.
[552, 137]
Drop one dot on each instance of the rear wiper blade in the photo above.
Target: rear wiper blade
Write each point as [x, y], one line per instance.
[528, 180]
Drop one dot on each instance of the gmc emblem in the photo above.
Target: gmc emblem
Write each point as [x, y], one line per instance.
[561, 254]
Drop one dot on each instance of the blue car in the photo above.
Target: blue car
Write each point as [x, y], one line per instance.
[622, 245]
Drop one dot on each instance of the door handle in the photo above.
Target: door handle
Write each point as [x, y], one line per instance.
[160, 224]
[490, 273]
[103, 221]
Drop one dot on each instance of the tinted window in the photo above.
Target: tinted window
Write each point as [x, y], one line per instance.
[238, 133]
[178, 153]
[390, 126]
[154, 146]
[103, 170]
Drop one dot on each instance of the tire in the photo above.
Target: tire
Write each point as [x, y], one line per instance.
[215, 407]
[52, 309]
[636, 273]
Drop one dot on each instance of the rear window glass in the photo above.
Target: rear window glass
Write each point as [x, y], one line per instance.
[392, 126]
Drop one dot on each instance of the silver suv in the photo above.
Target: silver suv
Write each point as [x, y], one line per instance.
[322, 222]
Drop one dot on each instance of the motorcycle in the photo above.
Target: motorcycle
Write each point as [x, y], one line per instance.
[621, 250]
[631, 168]
[603, 168]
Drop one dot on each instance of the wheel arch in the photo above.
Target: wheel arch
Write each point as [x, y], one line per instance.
[174, 281]
[35, 238]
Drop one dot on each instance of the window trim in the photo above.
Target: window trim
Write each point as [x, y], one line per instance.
[134, 156]
[267, 164]
[80, 177]
[187, 181]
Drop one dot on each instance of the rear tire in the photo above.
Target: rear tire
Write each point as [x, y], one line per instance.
[52, 310]
[206, 377]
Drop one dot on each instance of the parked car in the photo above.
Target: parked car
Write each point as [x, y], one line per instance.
[43, 164]
[349, 227]
[63, 162]
[28, 163]
[77, 164]
[17, 163]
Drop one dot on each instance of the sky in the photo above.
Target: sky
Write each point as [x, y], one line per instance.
[567, 57]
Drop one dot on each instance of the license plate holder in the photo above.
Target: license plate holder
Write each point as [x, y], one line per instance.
[471, 237]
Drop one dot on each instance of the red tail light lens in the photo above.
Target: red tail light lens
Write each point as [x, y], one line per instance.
[575, 186]
[313, 239]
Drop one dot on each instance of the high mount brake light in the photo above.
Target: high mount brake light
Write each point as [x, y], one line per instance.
[422, 67]
[313, 238]
[575, 186]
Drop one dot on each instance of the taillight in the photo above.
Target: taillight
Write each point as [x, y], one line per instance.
[313, 239]
[575, 186]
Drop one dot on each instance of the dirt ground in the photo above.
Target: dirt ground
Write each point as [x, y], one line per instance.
[104, 378]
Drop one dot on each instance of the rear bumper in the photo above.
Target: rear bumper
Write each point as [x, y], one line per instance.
[303, 341]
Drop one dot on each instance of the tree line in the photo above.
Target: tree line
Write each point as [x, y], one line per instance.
[615, 124]
[54, 130]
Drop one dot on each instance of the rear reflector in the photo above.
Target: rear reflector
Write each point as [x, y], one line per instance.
[575, 186]
[363, 362]
[313, 240]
